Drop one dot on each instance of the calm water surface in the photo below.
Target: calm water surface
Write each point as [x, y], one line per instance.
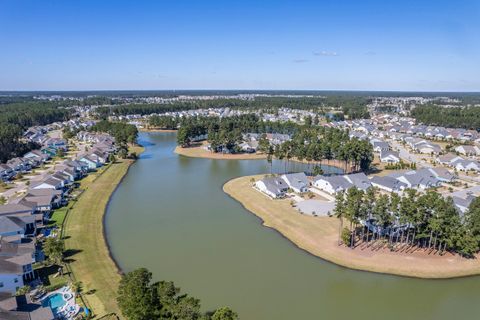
[171, 216]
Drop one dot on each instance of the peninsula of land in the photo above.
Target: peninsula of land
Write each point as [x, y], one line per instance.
[319, 236]
[199, 151]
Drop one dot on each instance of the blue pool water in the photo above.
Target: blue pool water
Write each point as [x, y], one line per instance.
[55, 302]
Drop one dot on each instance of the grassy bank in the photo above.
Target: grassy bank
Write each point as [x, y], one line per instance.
[88, 252]
[319, 236]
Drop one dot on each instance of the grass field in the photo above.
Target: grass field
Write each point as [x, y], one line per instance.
[90, 261]
[319, 236]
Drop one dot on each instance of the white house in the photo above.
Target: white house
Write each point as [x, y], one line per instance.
[298, 182]
[389, 157]
[331, 184]
[15, 264]
[274, 187]
[468, 150]
[466, 165]
[48, 183]
[388, 184]
[380, 146]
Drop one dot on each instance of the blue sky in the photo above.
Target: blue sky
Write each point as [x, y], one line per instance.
[422, 45]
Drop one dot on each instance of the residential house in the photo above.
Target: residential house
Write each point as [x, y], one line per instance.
[16, 259]
[92, 162]
[56, 143]
[20, 208]
[359, 180]
[466, 165]
[6, 172]
[389, 156]
[46, 199]
[298, 182]
[22, 308]
[442, 174]
[331, 184]
[388, 184]
[421, 179]
[462, 204]
[49, 182]
[274, 187]
[37, 155]
[468, 150]
[19, 165]
[17, 225]
[380, 146]
[427, 148]
[448, 159]
[249, 146]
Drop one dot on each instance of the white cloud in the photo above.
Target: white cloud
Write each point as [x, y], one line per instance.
[300, 60]
[326, 53]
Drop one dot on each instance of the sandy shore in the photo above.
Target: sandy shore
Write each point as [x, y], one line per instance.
[319, 236]
[199, 152]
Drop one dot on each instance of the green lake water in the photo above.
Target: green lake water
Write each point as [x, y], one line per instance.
[171, 216]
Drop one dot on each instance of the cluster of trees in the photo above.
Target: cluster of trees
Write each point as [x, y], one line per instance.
[140, 299]
[195, 126]
[54, 249]
[401, 165]
[316, 144]
[164, 122]
[15, 117]
[426, 220]
[468, 117]
[122, 132]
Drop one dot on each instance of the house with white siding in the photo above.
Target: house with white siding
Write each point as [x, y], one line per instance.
[274, 187]
[298, 182]
[331, 184]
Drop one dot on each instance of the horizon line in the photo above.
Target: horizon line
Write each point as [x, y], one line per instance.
[245, 90]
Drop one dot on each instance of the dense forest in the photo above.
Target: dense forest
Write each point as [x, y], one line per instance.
[413, 220]
[350, 107]
[467, 117]
[140, 299]
[18, 116]
[310, 143]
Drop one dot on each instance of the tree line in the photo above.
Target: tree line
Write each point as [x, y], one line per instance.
[140, 299]
[410, 221]
[352, 107]
[16, 117]
[466, 117]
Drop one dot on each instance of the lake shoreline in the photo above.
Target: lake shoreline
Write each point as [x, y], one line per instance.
[198, 151]
[318, 236]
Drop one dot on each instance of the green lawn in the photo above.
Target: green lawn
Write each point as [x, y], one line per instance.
[83, 230]
[58, 216]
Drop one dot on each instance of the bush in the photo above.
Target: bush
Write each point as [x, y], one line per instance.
[23, 290]
[346, 236]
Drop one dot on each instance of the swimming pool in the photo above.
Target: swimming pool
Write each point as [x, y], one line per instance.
[55, 302]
